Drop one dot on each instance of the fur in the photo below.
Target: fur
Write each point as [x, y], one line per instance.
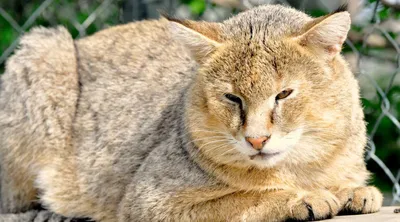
[132, 123]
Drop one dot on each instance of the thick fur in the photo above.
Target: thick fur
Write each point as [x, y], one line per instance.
[131, 124]
[39, 93]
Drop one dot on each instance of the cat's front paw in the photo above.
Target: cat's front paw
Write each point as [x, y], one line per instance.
[360, 200]
[315, 205]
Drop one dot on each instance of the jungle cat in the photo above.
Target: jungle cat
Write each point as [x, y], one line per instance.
[257, 118]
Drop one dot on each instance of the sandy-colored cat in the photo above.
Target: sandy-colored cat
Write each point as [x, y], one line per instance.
[259, 120]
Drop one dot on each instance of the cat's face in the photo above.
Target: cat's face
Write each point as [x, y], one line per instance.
[261, 103]
[263, 98]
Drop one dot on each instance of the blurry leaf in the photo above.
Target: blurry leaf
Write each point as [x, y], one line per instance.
[8, 34]
[357, 28]
[317, 12]
[384, 13]
[396, 14]
[81, 17]
[91, 29]
[197, 6]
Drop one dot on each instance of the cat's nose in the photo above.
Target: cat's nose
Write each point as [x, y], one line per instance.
[257, 143]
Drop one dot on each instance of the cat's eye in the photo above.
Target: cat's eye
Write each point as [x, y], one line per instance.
[233, 98]
[282, 95]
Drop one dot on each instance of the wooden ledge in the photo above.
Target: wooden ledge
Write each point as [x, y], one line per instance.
[386, 214]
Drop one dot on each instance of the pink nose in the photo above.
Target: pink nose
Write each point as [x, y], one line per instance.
[257, 143]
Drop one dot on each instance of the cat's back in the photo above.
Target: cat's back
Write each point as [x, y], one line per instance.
[130, 73]
[143, 51]
[129, 76]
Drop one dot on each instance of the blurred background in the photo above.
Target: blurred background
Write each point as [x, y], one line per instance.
[372, 50]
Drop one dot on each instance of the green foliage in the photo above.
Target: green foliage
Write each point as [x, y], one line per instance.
[317, 12]
[68, 13]
[197, 6]
[384, 13]
[387, 135]
[8, 34]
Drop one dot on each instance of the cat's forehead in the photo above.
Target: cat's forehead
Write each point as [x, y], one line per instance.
[254, 69]
[268, 21]
[257, 70]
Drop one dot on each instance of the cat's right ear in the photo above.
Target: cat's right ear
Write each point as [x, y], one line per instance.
[201, 38]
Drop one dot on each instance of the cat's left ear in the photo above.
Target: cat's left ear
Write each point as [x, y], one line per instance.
[326, 35]
[201, 38]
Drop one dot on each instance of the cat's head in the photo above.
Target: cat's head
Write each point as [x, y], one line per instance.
[271, 86]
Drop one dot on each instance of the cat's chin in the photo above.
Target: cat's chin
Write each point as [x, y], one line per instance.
[264, 156]
[267, 160]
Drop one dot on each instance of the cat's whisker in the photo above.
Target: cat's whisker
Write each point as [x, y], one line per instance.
[227, 151]
[204, 138]
[230, 142]
[205, 151]
[204, 131]
[226, 144]
[216, 147]
[211, 142]
[203, 128]
[209, 131]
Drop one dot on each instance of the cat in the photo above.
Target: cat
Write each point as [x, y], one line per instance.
[257, 118]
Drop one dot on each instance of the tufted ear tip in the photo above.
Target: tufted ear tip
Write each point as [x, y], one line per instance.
[341, 8]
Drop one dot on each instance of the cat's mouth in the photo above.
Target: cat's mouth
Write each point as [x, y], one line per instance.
[264, 156]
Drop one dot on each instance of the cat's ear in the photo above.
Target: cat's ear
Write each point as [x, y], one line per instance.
[326, 34]
[201, 38]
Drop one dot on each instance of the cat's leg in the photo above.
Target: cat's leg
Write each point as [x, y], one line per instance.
[359, 200]
[61, 193]
[224, 204]
[14, 199]
[38, 216]
[48, 216]
[17, 193]
[19, 217]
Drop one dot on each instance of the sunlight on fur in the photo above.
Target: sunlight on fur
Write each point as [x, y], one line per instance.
[256, 118]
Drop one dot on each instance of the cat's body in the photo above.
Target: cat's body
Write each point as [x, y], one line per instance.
[112, 126]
